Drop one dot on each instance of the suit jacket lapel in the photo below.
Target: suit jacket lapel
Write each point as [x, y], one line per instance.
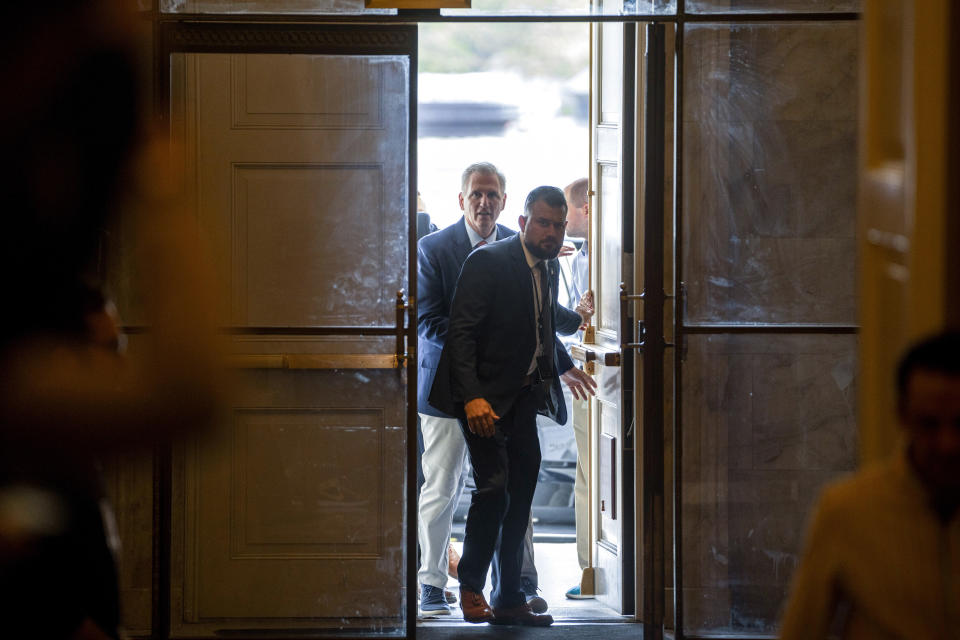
[463, 247]
[524, 277]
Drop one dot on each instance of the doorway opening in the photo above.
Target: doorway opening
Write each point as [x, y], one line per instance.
[516, 95]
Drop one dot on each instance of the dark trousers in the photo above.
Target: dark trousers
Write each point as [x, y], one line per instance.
[505, 469]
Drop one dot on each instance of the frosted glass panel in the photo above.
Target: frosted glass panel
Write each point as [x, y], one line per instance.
[770, 6]
[769, 161]
[611, 78]
[767, 421]
[268, 6]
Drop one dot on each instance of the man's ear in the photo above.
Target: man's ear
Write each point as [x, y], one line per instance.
[460, 195]
[522, 222]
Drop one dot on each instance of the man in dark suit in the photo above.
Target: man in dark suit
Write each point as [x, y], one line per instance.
[498, 369]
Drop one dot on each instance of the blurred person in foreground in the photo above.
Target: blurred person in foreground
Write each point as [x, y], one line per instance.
[884, 544]
[72, 156]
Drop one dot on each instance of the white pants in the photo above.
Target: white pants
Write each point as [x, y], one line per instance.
[444, 456]
[443, 460]
[579, 416]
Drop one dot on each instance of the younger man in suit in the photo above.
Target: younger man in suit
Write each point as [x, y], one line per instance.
[496, 372]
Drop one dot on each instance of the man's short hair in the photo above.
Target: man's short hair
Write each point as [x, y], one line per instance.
[483, 168]
[939, 353]
[551, 195]
[576, 193]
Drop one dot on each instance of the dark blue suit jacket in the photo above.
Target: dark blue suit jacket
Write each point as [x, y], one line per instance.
[491, 335]
[439, 258]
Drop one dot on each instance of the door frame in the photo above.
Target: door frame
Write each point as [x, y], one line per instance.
[681, 329]
[377, 34]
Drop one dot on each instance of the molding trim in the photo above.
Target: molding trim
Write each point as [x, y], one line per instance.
[287, 38]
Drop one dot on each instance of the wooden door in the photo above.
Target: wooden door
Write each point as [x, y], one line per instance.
[612, 452]
[292, 514]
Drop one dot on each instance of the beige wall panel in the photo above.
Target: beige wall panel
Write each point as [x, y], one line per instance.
[907, 219]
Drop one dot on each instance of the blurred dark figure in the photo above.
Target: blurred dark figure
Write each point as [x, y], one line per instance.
[884, 545]
[58, 536]
[71, 154]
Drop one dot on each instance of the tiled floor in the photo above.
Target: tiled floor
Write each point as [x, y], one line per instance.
[558, 571]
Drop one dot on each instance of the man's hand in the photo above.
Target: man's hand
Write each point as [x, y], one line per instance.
[580, 383]
[566, 250]
[585, 308]
[480, 417]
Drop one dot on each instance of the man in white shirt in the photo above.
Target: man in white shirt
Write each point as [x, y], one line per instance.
[884, 544]
[578, 222]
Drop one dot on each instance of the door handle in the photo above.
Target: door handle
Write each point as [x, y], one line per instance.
[315, 361]
[319, 361]
[591, 354]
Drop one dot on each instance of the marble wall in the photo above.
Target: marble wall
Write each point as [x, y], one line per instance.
[768, 237]
[770, 172]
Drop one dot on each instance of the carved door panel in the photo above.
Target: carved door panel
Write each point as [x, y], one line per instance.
[292, 514]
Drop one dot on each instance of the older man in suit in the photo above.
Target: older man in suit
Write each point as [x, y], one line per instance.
[439, 258]
[497, 370]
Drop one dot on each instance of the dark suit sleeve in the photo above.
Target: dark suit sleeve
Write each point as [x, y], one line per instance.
[432, 318]
[473, 301]
[567, 321]
[562, 358]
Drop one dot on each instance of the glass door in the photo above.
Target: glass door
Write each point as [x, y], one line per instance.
[766, 316]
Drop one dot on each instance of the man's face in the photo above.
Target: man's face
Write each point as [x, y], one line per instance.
[482, 202]
[931, 415]
[543, 231]
[578, 219]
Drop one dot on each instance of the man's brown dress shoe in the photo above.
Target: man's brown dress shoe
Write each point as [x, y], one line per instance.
[522, 615]
[453, 559]
[474, 606]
